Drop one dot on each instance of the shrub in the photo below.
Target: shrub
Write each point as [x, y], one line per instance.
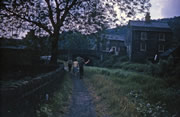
[107, 63]
[153, 69]
[114, 61]
[105, 72]
[123, 59]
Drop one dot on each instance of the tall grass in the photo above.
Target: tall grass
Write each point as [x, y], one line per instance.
[163, 68]
[126, 92]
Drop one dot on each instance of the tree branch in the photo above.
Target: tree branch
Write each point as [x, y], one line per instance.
[50, 13]
[57, 11]
[74, 17]
[28, 20]
[66, 11]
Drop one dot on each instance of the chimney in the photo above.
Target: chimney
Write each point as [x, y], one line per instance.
[148, 17]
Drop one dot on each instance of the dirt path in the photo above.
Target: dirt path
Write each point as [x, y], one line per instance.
[81, 105]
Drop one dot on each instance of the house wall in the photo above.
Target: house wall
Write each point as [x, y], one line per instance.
[109, 41]
[152, 43]
[128, 42]
[120, 47]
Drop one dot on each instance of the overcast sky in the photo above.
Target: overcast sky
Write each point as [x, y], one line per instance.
[164, 8]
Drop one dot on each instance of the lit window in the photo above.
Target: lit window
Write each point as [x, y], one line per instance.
[142, 46]
[161, 36]
[161, 48]
[143, 36]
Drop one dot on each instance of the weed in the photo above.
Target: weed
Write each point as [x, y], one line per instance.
[58, 104]
[124, 92]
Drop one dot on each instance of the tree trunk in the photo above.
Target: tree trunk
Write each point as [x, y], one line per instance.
[54, 49]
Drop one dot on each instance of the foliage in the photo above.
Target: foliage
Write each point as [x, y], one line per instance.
[37, 43]
[74, 40]
[57, 105]
[51, 17]
[175, 26]
[114, 61]
[31, 41]
[148, 95]
[162, 69]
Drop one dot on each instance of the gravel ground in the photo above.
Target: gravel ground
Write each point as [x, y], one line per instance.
[81, 105]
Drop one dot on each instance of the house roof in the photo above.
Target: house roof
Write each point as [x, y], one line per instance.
[116, 31]
[168, 52]
[116, 34]
[151, 24]
[117, 38]
[171, 51]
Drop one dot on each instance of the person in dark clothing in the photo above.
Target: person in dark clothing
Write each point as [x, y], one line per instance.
[69, 65]
[81, 66]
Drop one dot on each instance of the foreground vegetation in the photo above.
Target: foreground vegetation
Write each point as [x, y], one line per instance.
[119, 92]
[164, 67]
[58, 102]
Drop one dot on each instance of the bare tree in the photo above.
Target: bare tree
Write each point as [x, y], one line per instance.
[51, 17]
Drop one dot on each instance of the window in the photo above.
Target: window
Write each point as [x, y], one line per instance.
[161, 48]
[143, 36]
[142, 46]
[161, 37]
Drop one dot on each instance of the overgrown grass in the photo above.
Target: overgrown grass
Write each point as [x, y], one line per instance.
[163, 68]
[130, 94]
[58, 103]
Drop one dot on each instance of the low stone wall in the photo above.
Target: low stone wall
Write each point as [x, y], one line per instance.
[22, 89]
[19, 72]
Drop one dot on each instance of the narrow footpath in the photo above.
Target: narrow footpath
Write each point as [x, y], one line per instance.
[81, 105]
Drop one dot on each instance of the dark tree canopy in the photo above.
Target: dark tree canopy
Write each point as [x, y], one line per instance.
[74, 40]
[51, 17]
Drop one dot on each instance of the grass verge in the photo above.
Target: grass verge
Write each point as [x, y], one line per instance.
[120, 93]
[58, 103]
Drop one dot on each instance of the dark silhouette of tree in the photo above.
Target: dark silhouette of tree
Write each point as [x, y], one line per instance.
[51, 17]
[74, 40]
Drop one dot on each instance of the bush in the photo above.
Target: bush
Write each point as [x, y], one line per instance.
[124, 59]
[165, 68]
[107, 63]
[105, 72]
[153, 69]
[113, 61]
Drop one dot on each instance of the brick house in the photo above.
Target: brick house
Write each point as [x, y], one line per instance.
[147, 39]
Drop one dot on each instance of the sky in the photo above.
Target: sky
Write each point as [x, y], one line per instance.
[164, 8]
[159, 9]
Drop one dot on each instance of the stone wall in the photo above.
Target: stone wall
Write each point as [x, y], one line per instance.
[29, 91]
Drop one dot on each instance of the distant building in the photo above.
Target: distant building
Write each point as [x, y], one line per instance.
[147, 39]
[112, 40]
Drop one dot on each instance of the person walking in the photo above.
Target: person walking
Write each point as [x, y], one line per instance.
[75, 68]
[81, 62]
[70, 65]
